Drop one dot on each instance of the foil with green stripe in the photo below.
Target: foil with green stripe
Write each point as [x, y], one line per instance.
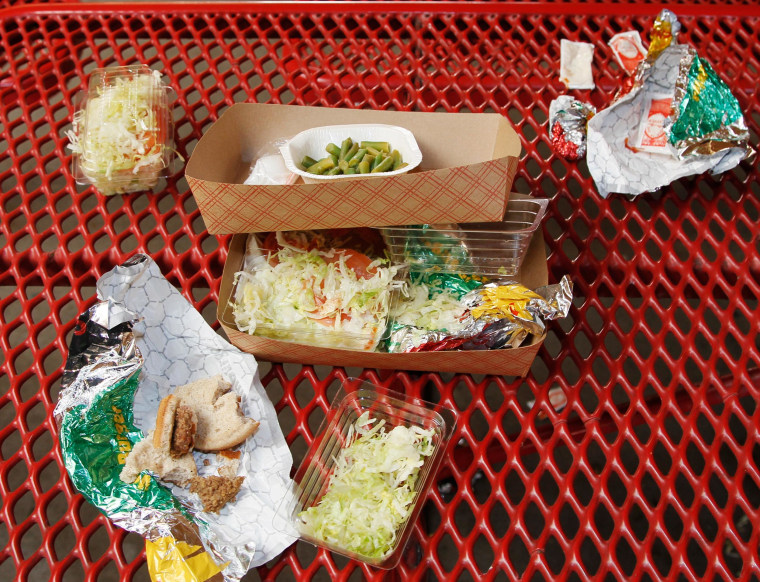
[95, 441]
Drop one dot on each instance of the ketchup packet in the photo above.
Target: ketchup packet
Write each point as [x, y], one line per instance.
[628, 50]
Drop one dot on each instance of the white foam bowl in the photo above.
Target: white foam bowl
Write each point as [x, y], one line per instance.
[312, 143]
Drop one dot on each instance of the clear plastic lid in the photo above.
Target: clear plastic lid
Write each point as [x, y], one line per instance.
[484, 249]
[335, 298]
[337, 431]
[122, 136]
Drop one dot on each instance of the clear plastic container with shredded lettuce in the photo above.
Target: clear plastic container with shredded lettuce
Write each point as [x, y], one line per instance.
[290, 290]
[122, 131]
[363, 480]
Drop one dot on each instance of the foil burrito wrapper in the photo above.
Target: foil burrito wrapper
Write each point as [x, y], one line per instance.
[131, 349]
[678, 119]
[568, 119]
[499, 314]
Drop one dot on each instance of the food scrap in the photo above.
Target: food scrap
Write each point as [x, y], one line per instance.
[205, 416]
[215, 492]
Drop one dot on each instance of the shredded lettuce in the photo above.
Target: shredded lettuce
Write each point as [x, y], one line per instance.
[372, 488]
[443, 311]
[118, 134]
[314, 297]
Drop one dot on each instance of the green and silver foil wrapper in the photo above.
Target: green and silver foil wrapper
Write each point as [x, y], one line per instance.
[708, 118]
[94, 414]
[500, 314]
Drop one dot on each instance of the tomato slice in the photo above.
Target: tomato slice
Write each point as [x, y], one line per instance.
[270, 243]
[358, 262]
[364, 238]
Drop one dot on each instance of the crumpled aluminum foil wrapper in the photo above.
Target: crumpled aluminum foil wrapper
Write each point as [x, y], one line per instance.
[568, 119]
[699, 122]
[128, 352]
[501, 314]
[102, 351]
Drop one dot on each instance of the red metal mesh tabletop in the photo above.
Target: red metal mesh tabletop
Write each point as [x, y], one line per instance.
[652, 469]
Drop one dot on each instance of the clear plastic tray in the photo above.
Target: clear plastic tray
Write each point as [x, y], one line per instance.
[322, 334]
[312, 478]
[483, 248]
[122, 136]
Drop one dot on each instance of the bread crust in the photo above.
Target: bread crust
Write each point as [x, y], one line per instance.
[162, 437]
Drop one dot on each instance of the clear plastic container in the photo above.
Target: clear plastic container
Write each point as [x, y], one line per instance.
[330, 331]
[483, 248]
[312, 479]
[122, 131]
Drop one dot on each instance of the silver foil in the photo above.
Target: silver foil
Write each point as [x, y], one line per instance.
[106, 353]
[572, 116]
[489, 333]
[727, 135]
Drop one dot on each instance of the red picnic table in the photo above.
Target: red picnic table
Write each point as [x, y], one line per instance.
[651, 471]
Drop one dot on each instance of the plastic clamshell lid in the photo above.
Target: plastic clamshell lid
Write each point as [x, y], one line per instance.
[312, 478]
[312, 143]
[137, 94]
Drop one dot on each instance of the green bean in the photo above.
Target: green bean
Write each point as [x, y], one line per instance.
[352, 151]
[344, 147]
[382, 146]
[383, 166]
[352, 157]
[321, 166]
[356, 158]
[308, 161]
[397, 160]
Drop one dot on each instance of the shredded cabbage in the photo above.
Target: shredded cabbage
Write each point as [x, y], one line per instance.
[312, 298]
[372, 488]
[443, 311]
[118, 135]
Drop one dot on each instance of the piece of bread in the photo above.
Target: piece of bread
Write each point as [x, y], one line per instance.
[215, 491]
[229, 461]
[221, 424]
[145, 457]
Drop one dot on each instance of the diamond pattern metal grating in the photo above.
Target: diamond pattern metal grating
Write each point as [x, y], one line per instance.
[652, 469]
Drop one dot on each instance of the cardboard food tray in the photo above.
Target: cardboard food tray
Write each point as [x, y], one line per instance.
[468, 163]
[508, 362]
